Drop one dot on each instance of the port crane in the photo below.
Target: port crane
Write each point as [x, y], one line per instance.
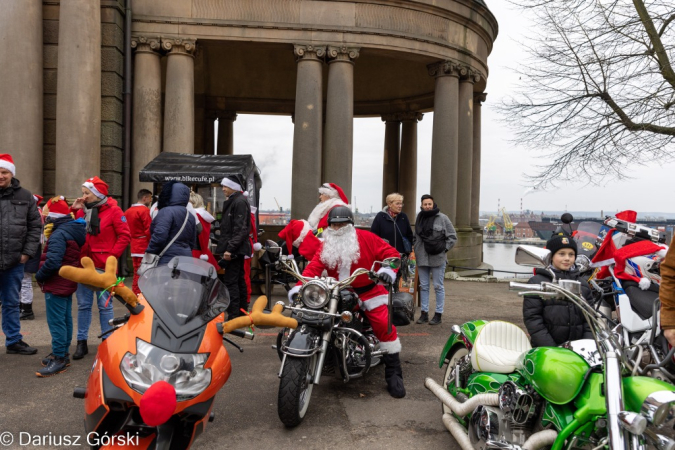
[509, 232]
[491, 228]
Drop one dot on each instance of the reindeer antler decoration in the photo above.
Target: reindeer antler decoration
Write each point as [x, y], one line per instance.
[258, 317]
[107, 280]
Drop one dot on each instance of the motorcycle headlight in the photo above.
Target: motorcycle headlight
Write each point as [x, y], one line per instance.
[314, 295]
[184, 371]
[659, 408]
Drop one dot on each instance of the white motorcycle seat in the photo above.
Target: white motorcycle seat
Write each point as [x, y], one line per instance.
[498, 346]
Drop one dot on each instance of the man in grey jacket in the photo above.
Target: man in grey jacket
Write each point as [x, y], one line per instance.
[20, 228]
[434, 237]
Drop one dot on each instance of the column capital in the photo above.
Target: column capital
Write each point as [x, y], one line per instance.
[479, 97]
[469, 75]
[445, 69]
[342, 53]
[226, 115]
[146, 44]
[309, 52]
[183, 46]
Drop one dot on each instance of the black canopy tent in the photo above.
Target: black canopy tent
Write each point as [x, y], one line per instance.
[204, 170]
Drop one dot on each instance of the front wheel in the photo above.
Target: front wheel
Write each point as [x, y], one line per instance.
[456, 352]
[295, 390]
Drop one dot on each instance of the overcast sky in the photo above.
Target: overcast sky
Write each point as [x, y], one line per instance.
[270, 140]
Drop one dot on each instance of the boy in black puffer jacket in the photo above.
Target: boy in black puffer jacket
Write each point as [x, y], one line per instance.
[552, 322]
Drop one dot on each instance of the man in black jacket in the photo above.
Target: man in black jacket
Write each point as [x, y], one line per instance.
[234, 243]
[20, 228]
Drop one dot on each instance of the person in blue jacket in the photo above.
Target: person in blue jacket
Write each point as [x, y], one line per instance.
[172, 210]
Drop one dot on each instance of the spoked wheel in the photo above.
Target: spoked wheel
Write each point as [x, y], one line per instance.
[295, 389]
[456, 352]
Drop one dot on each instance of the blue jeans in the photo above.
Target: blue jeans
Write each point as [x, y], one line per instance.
[10, 288]
[438, 274]
[60, 321]
[85, 300]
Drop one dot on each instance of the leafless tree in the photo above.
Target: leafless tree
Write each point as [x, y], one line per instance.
[597, 93]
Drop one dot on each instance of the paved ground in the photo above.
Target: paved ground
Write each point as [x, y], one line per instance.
[357, 415]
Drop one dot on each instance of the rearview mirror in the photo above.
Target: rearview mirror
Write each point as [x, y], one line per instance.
[531, 256]
[392, 263]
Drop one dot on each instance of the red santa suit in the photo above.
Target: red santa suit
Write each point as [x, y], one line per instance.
[204, 252]
[138, 218]
[298, 234]
[373, 302]
[318, 218]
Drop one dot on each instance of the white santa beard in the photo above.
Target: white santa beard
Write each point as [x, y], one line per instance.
[321, 210]
[340, 250]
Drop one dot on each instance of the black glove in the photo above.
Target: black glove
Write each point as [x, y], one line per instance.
[385, 277]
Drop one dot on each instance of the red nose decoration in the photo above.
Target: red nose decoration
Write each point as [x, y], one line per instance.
[158, 403]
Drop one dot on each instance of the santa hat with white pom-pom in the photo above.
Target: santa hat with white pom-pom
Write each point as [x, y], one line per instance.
[641, 248]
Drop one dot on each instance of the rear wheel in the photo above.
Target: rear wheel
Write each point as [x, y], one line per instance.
[455, 353]
[295, 389]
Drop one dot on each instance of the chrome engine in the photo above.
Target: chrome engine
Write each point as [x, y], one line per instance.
[508, 426]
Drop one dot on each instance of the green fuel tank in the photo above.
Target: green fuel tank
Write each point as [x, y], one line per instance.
[557, 374]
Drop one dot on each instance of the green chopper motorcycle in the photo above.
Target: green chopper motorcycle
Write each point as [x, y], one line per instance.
[500, 393]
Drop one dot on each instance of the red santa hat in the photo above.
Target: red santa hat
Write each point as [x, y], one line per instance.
[627, 215]
[6, 162]
[38, 199]
[57, 207]
[333, 191]
[641, 248]
[97, 187]
[605, 255]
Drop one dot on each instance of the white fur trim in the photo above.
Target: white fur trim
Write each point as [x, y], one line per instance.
[372, 303]
[293, 291]
[254, 209]
[204, 257]
[257, 246]
[392, 347]
[388, 271]
[305, 229]
[153, 210]
[136, 204]
[8, 165]
[644, 283]
[89, 185]
[291, 256]
[204, 214]
[137, 255]
[231, 184]
[56, 215]
[326, 189]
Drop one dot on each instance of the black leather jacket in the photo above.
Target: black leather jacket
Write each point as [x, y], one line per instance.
[235, 226]
[20, 225]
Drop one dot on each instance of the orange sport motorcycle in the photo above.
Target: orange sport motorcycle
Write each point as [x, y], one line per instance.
[154, 379]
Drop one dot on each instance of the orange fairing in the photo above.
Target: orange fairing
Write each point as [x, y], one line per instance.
[139, 326]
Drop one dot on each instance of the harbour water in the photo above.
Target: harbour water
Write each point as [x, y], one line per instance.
[501, 257]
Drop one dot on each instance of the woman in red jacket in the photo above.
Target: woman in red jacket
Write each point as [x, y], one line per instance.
[107, 235]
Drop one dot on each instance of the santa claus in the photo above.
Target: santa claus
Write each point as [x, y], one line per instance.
[330, 196]
[344, 250]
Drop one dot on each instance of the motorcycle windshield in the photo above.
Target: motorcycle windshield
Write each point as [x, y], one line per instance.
[586, 236]
[185, 294]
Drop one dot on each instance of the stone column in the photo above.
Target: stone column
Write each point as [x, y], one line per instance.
[21, 89]
[478, 99]
[339, 138]
[78, 95]
[226, 132]
[445, 141]
[307, 130]
[392, 146]
[465, 154]
[407, 175]
[210, 133]
[147, 115]
[179, 99]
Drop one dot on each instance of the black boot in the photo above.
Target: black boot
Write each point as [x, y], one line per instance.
[394, 375]
[436, 320]
[81, 350]
[21, 348]
[56, 365]
[26, 311]
[424, 318]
